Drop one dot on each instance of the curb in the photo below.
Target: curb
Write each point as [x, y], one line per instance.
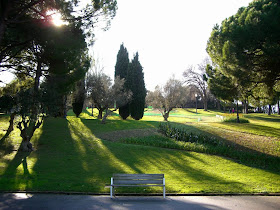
[139, 194]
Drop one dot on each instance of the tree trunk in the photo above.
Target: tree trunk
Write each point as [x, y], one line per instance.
[65, 106]
[237, 113]
[165, 116]
[35, 107]
[245, 107]
[278, 103]
[107, 112]
[26, 146]
[205, 103]
[10, 128]
[218, 105]
[269, 109]
[27, 128]
[91, 109]
[100, 113]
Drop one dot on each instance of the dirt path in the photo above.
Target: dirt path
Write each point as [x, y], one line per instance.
[117, 135]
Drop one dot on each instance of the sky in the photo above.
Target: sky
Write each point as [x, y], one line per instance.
[168, 35]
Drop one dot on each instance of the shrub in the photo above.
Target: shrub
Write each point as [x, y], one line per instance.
[233, 120]
[77, 108]
[180, 134]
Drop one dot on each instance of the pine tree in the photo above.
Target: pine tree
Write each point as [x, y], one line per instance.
[138, 89]
[121, 70]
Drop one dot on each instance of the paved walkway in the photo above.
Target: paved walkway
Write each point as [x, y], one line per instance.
[52, 201]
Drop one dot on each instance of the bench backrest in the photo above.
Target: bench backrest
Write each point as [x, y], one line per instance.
[138, 179]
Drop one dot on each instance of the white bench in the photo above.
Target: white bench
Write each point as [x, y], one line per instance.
[137, 180]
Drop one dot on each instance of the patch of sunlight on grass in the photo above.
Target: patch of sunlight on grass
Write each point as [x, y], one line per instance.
[84, 139]
[19, 170]
[152, 118]
[275, 125]
[36, 136]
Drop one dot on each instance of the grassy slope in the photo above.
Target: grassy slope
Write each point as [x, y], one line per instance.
[71, 157]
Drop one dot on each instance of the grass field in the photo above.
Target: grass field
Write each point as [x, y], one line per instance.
[80, 154]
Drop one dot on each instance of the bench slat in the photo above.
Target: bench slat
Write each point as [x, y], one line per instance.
[137, 182]
[138, 176]
[126, 185]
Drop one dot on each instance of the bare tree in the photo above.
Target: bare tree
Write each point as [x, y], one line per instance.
[104, 94]
[198, 79]
[166, 98]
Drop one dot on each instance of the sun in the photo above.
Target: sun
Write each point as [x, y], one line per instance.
[56, 18]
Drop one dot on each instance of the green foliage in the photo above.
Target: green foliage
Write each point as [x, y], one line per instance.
[79, 97]
[121, 70]
[6, 103]
[180, 134]
[77, 108]
[220, 85]
[246, 46]
[17, 17]
[165, 142]
[54, 92]
[137, 104]
[233, 120]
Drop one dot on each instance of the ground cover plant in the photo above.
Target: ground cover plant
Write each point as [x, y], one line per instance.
[72, 155]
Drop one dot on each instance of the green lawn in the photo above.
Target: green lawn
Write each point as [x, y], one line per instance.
[71, 156]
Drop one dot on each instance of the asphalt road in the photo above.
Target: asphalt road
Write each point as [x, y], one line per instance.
[53, 201]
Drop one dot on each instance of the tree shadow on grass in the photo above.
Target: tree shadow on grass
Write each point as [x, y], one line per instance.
[261, 129]
[72, 158]
[152, 160]
[192, 112]
[13, 176]
[271, 118]
[115, 125]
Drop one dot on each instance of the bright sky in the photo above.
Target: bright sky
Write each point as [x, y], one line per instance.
[169, 35]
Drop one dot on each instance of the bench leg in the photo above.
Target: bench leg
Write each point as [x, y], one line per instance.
[112, 192]
[163, 187]
[112, 188]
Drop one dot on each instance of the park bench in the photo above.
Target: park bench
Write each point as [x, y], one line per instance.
[137, 180]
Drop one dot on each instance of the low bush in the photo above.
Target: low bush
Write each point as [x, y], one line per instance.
[234, 120]
[180, 134]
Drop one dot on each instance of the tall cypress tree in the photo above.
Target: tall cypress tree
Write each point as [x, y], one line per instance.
[121, 70]
[138, 89]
